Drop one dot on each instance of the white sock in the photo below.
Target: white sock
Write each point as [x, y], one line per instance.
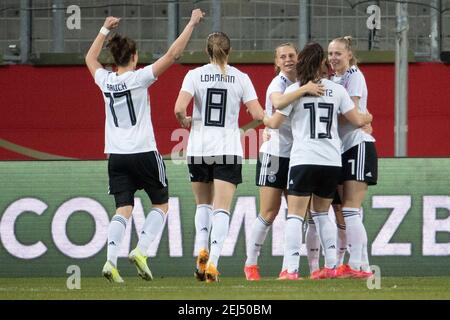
[355, 236]
[292, 242]
[327, 236]
[152, 226]
[312, 246]
[116, 231]
[341, 244]
[219, 232]
[365, 266]
[258, 235]
[202, 227]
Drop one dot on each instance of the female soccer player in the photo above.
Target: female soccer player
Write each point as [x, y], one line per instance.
[134, 161]
[359, 159]
[315, 161]
[214, 150]
[273, 162]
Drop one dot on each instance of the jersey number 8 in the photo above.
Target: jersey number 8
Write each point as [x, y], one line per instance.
[216, 102]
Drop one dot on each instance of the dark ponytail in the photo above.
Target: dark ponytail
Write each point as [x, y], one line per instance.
[310, 60]
[121, 49]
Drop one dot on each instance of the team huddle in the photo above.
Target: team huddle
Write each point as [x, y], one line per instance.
[318, 152]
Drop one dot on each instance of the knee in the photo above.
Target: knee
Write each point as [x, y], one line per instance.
[269, 215]
[163, 207]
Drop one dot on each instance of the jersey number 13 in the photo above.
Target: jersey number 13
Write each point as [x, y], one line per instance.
[327, 120]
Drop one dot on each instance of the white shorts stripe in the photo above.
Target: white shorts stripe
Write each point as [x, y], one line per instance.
[361, 161]
[262, 173]
[162, 173]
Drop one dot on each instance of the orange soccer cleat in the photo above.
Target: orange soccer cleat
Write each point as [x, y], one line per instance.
[252, 272]
[285, 275]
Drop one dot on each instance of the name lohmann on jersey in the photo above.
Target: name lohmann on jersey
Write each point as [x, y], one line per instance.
[217, 78]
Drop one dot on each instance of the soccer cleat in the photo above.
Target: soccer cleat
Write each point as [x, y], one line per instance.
[315, 275]
[345, 271]
[252, 272]
[365, 274]
[140, 261]
[342, 271]
[325, 273]
[211, 273]
[111, 273]
[285, 275]
[202, 259]
[282, 274]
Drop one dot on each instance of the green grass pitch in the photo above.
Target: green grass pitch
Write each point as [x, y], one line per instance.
[229, 288]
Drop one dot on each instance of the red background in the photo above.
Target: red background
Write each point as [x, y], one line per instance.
[59, 110]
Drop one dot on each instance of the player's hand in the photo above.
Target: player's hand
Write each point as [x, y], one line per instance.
[111, 23]
[367, 128]
[315, 89]
[185, 122]
[196, 17]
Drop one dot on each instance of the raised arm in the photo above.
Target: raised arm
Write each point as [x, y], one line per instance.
[183, 100]
[280, 101]
[176, 49]
[94, 51]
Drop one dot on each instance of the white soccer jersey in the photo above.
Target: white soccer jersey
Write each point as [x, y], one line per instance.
[128, 127]
[217, 101]
[314, 125]
[280, 142]
[354, 82]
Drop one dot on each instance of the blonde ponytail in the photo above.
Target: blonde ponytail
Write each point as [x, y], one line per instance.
[218, 47]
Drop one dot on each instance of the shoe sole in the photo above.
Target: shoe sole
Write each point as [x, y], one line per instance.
[199, 276]
[201, 261]
[147, 276]
[109, 277]
[211, 278]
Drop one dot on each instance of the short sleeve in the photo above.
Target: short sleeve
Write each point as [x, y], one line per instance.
[355, 84]
[145, 76]
[277, 85]
[347, 103]
[248, 89]
[100, 76]
[188, 83]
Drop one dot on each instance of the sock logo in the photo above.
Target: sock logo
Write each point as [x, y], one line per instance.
[214, 242]
[258, 245]
[296, 254]
[204, 229]
[111, 243]
[332, 247]
[143, 232]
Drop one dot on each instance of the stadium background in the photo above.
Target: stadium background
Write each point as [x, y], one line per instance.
[51, 109]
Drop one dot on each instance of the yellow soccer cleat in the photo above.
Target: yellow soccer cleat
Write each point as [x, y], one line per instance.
[202, 259]
[140, 261]
[111, 273]
[211, 273]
